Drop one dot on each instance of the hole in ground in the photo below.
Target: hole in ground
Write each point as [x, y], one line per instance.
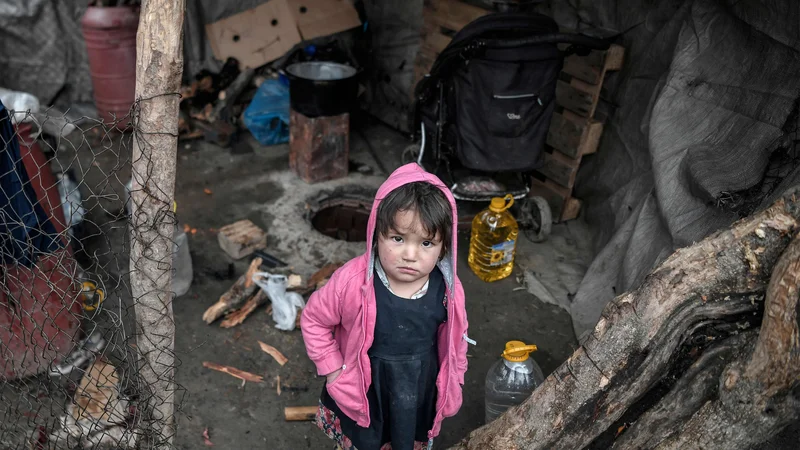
[343, 218]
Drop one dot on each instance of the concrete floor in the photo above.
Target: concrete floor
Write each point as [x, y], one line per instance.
[259, 186]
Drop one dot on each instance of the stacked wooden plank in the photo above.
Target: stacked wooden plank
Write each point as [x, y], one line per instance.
[574, 130]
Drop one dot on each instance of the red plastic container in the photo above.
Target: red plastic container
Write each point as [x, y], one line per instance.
[110, 35]
[40, 309]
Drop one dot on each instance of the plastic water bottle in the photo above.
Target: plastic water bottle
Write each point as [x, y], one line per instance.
[493, 240]
[181, 263]
[182, 272]
[512, 379]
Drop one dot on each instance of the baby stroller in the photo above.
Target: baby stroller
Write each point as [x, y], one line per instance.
[483, 112]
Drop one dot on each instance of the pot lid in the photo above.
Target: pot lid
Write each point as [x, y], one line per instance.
[321, 71]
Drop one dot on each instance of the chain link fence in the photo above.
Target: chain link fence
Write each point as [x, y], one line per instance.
[74, 374]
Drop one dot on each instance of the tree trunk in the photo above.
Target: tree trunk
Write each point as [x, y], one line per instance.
[159, 66]
[679, 362]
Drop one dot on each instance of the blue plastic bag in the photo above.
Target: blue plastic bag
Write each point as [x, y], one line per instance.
[267, 115]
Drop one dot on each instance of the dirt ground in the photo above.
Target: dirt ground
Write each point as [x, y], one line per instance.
[217, 186]
[256, 185]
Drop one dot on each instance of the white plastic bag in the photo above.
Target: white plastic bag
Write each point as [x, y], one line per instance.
[284, 304]
[20, 102]
[71, 201]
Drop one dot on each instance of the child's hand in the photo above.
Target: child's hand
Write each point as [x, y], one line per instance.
[331, 377]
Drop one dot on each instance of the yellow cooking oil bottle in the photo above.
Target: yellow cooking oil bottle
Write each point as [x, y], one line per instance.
[493, 240]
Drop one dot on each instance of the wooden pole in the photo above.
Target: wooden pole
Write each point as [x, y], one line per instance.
[159, 66]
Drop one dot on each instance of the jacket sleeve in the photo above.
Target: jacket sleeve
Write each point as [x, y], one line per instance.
[320, 316]
[462, 341]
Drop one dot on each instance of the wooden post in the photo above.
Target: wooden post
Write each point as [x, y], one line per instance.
[159, 66]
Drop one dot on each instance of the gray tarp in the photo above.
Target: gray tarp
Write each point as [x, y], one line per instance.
[42, 51]
[706, 96]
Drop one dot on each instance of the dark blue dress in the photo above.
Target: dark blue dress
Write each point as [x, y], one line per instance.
[405, 365]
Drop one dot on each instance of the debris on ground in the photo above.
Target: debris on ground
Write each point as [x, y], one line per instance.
[85, 351]
[319, 278]
[234, 297]
[296, 413]
[210, 105]
[272, 351]
[99, 414]
[278, 384]
[237, 317]
[234, 372]
[206, 438]
[241, 238]
[284, 304]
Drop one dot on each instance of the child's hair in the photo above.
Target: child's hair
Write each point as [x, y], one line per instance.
[428, 201]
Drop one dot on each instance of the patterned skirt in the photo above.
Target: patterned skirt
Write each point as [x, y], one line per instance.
[328, 422]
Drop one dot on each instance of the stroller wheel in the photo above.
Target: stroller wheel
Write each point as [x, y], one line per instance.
[410, 154]
[542, 219]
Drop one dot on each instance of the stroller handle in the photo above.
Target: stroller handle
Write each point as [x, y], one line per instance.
[581, 40]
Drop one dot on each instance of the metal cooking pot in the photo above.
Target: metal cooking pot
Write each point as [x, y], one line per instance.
[320, 88]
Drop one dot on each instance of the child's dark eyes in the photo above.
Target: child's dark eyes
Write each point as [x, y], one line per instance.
[427, 244]
[397, 239]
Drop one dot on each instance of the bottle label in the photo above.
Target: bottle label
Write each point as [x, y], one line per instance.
[502, 253]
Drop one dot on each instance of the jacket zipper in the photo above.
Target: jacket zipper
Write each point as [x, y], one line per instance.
[449, 355]
[363, 343]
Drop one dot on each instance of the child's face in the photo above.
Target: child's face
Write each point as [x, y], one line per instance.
[407, 253]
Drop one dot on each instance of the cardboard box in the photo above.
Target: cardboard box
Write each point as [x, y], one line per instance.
[256, 36]
[317, 18]
[265, 33]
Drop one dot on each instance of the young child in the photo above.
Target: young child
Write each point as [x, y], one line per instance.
[389, 329]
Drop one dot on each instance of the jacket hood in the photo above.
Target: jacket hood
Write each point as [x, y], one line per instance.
[411, 173]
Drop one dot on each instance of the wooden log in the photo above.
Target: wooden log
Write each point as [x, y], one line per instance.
[757, 397]
[234, 297]
[319, 146]
[237, 317]
[241, 239]
[296, 413]
[159, 67]
[707, 293]
[227, 98]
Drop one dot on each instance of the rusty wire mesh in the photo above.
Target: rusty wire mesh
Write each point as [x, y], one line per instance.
[72, 373]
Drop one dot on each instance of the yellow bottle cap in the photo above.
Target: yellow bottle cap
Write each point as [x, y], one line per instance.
[518, 351]
[500, 204]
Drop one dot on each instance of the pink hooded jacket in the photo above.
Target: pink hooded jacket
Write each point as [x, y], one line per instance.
[338, 323]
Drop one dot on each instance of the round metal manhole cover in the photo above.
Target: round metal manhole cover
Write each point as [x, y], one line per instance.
[343, 218]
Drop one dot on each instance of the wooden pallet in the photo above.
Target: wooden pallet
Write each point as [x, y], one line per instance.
[574, 132]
